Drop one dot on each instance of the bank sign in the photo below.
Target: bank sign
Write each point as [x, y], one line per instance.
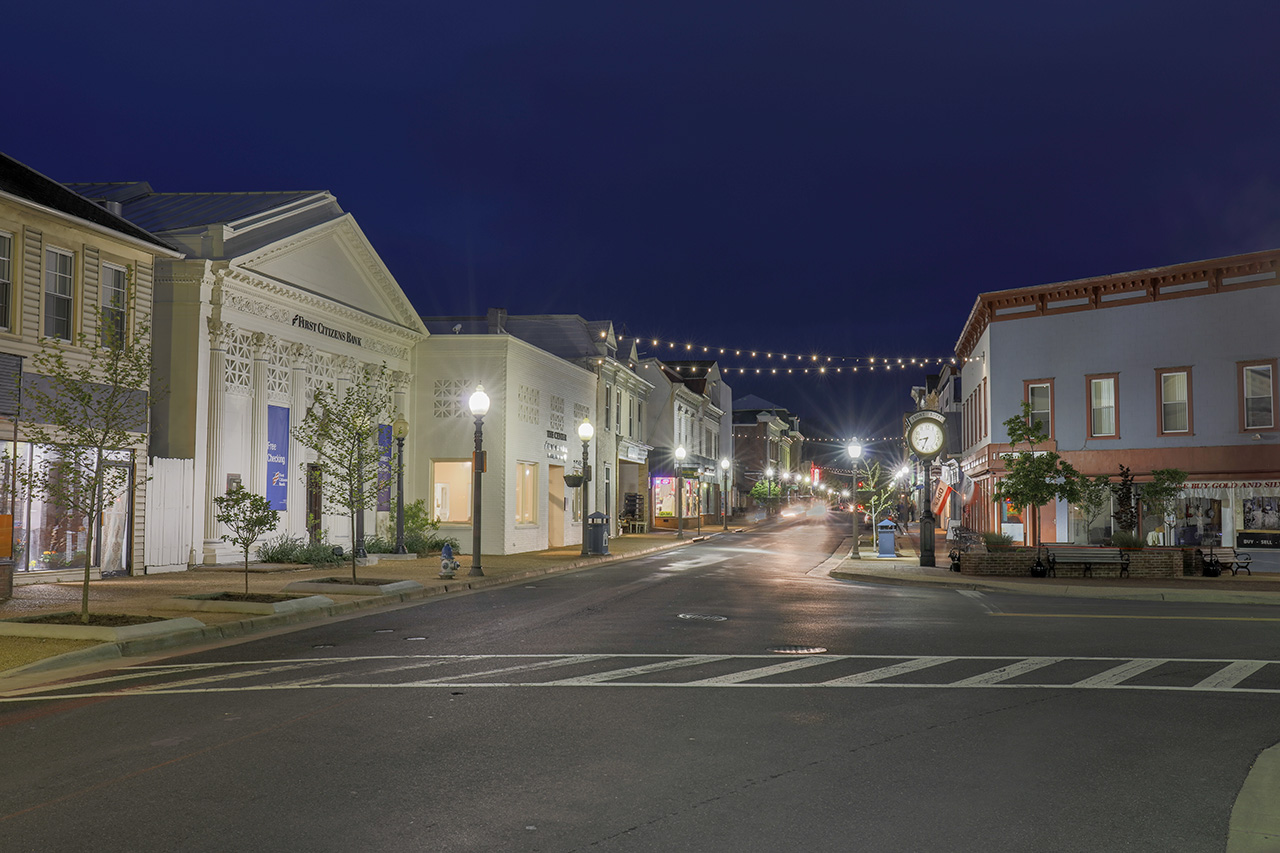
[278, 457]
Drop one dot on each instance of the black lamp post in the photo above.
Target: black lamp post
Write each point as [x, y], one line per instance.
[400, 429]
[479, 405]
[724, 494]
[585, 431]
[855, 453]
[680, 455]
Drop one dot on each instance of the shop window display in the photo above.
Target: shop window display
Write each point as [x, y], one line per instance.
[664, 497]
[1199, 522]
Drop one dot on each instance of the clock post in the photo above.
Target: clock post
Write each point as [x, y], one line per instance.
[926, 435]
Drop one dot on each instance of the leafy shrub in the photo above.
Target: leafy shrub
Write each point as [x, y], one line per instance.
[318, 554]
[425, 543]
[378, 545]
[997, 541]
[280, 549]
[1125, 539]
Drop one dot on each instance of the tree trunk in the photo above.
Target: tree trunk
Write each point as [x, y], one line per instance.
[246, 570]
[94, 512]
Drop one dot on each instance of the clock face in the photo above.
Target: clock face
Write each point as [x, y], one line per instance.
[926, 438]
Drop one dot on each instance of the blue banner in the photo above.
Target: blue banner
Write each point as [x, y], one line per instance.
[384, 468]
[278, 457]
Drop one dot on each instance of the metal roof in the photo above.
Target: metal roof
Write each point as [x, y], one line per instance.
[160, 212]
[24, 182]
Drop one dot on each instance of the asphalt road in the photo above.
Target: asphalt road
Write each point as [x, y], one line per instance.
[723, 697]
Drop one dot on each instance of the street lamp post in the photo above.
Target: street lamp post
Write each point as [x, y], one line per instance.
[400, 430]
[855, 453]
[680, 455]
[724, 494]
[479, 405]
[585, 431]
[768, 488]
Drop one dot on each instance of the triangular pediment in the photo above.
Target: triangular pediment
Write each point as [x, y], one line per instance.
[335, 261]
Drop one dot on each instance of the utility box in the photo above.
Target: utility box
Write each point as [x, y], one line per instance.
[597, 534]
[884, 538]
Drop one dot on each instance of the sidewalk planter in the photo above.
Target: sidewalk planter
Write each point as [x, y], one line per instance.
[341, 586]
[209, 603]
[1144, 563]
[6, 580]
[20, 628]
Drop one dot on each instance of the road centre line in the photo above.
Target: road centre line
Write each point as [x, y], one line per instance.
[1135, 616]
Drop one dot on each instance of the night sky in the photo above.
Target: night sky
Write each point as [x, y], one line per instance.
[838, 178]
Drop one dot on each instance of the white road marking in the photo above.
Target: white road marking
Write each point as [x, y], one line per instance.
[1006, 672]
[350, 674]
[1231, 674]
[1120, 673]
[887, 671]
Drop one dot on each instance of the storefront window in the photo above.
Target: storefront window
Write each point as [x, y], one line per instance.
[452, 498]
[1198, 521]
[526, 483]
[1261, 513]
[664, 497]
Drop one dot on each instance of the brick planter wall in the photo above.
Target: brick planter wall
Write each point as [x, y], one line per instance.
[1142, 564]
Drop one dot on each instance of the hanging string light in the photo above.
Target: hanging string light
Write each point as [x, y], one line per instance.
[826, 364]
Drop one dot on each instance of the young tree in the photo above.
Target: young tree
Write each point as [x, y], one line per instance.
[1126, 511]
[1093, 497]
[878, 490]
[88, 407]
[342, 432]
[766, 493]
[1161, 495]
[1033, 478]
[247, 516]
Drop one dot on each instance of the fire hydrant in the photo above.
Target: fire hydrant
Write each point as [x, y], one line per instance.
[448, 565]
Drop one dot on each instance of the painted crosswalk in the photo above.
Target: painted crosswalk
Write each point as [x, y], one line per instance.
[668, 671]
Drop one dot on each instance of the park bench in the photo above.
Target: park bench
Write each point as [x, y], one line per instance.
[1088, 556]
[1224, 558]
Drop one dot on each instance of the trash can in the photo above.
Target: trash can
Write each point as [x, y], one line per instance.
[884, 538]
[597, 533]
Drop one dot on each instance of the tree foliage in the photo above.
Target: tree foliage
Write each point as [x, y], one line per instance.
[766, 492]
[1033, 478]
[342, 431]
[247, 516]
[1125, 514]
[1160, 496]
[90, 408]
[1093, 496]
[878, 490]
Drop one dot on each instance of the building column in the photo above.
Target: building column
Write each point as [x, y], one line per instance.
[300, 361]
[219, 333]
[258, 418]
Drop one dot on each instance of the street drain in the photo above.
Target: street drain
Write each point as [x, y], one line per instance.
[797, 650]
[702, 617]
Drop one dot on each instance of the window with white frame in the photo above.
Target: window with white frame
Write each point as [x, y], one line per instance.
[526, 490]
[1040, 398]
[1102, 406]
[59, 293]
[617, 408]
[6, 280]
[631, 416]
[608, 400]
[1258, 395]
[115, 315]
[1175, 401]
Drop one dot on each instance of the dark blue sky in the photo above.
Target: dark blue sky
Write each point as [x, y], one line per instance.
[840, 178]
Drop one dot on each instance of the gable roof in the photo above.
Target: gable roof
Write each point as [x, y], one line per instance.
[567, 336]
[162, 212]
[752, 403]
[26, 183]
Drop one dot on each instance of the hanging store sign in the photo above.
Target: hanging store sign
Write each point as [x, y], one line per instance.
[278, 457]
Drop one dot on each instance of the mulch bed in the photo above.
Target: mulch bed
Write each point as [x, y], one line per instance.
[255, 597]
[96, 620]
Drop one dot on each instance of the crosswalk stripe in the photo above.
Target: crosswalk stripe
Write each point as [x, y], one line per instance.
[1231, 675]
[524, 667]
[888, 671]
[764, 671]
[611, 675]
[1006, 672]
[1117, 674]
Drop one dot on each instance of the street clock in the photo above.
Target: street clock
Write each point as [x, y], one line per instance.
[926, 433]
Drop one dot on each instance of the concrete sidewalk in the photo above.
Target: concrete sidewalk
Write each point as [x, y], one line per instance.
[152, 595]
[905, 570]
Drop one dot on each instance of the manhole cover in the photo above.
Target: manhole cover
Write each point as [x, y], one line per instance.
[703, 617]
[797, 650]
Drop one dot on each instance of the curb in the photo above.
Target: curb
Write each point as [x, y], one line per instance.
[259, 624]
[1067, 591]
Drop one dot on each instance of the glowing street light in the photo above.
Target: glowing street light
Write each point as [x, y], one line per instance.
[585, 432]
[681, 453]
[478, 403]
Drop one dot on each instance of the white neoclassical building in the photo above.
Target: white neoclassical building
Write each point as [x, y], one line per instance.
[280, 294]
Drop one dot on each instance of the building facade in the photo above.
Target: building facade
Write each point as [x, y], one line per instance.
[1173, 367]
[279, 295]
[67, 264]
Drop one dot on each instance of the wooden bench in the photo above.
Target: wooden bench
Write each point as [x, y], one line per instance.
[1089, 556]
[1224, 558]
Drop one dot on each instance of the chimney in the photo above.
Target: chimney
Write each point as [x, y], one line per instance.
[112, 207]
